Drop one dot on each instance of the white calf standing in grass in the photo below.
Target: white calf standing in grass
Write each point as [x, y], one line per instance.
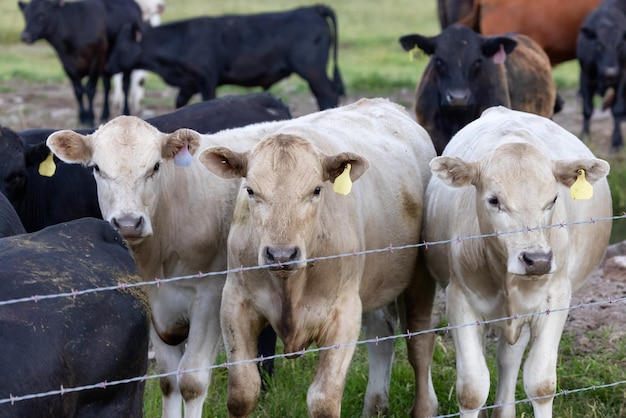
[509, 171]
[151, 11]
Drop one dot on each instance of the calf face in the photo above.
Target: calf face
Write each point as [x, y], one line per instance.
[286, 180]
[38, 15]
[516, 188]
[465, 65]
[128, 156]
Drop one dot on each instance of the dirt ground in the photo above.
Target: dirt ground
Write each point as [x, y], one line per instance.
[27, 105]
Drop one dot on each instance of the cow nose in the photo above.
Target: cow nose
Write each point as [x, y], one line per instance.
[129, 226]
[537, 263]
[25, 37]
[458, 97]
[279, 255]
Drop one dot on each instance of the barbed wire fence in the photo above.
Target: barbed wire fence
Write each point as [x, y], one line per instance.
[74, 293]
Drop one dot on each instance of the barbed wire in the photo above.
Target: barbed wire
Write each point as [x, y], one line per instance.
[103, 385]
[73, 293]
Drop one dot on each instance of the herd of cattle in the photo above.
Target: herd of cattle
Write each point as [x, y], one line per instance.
[236, 182]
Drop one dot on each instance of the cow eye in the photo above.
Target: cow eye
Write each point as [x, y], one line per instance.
[551, 204]
[250, 191]
[317, 191]
[476, 67]
[494, 202]
[96, 168]
[156, 167]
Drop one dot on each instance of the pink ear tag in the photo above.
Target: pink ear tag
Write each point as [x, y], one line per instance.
[183, 157]
[500, 56]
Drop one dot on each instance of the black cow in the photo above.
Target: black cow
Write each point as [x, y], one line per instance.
[81, 33]
[468, 72]
[198, 55]
[10, 223]
[70, 342]
[41, 201]
[601, 53]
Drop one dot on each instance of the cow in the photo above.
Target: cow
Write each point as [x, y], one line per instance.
[287, 216]
[198, 55]
[71, 192]
[81, 48]
[544, 21]
[509, 176]
[468, 73]
[600, 53]
[175, 216]
[151, 11]
[64, 342]
[10, 223]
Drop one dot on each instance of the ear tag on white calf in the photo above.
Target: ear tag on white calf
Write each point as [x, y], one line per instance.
[581, 189]
[47, 167]
[343, 183]
[183, 157]
[500, 56]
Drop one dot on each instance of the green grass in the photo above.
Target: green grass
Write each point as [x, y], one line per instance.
[372, 61]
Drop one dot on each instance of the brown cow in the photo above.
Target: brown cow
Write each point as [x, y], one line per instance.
[553, 24]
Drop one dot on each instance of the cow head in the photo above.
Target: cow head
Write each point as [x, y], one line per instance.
[130, 159]
[517, 188]
[601, 45]
[37, 17]
[466, 65]
[127, 49]
[286, 180]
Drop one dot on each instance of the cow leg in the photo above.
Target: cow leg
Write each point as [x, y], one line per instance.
[126, 79]
[241, 325]
[90, 92]
[118, 95]
[184, 95]
[473, 379]
[617, 141]
[167, 360]
[540, 365]
[587, 89]
[419, 298]
[324, 395]
[84, 117]
[106, 83]
[379, 323]
[203, 344]
[137, 82]
[323, 91]
[509, 360]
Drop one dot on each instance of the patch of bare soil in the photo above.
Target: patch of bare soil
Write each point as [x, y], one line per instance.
[27, 105]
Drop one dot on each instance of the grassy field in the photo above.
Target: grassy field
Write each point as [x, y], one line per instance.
[371, 61]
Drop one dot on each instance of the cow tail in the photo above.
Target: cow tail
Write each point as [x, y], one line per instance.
[329, 14]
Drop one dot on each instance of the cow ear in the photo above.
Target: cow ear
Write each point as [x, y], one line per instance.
[181, 144]
[453, 171]
[224, 162]
[567, 171]
[336, 164]
[71, 146]
[588, 33]
[498, 47]
[426, 44]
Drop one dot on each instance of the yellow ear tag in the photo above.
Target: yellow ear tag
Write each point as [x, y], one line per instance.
[47, 166]
[413, 52]
[343, 183]
[581, 189]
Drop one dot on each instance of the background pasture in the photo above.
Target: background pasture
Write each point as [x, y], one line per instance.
[34, 92]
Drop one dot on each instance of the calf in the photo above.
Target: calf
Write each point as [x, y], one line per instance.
[198, 55]
[512, 171]
[287, 216]
[71, 342]
[175, 216]
[71, 193]
[467, 73]
[600, 53]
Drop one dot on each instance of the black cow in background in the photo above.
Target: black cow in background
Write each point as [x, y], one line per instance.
[81, 34]
[71, 192]
[71, 342]
[10, 223]
[198, 55]
[601, 53]
[468, 72]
